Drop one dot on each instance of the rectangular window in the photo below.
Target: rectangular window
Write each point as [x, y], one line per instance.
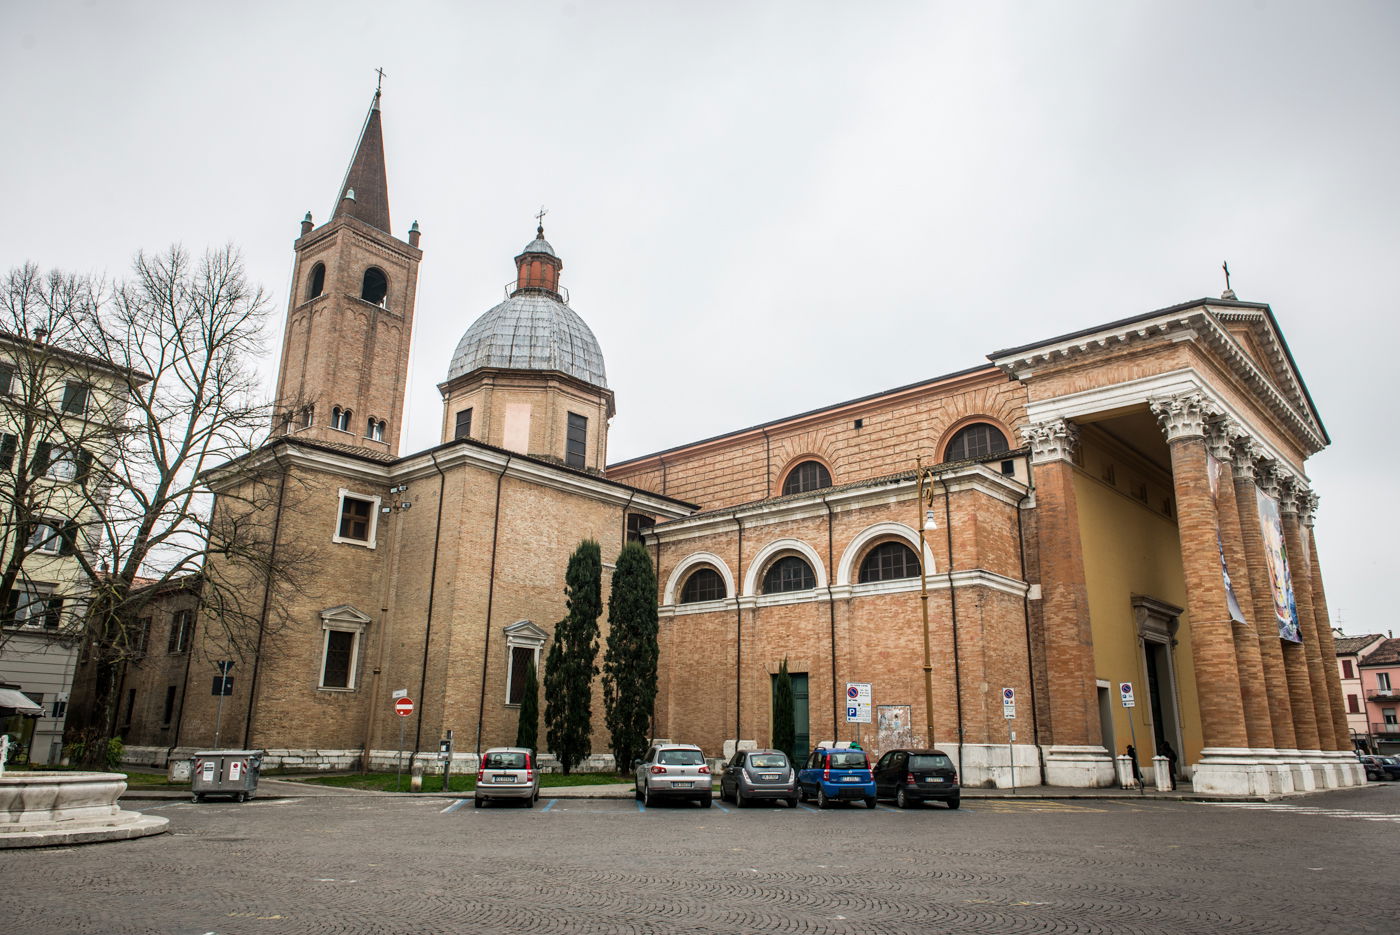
[66, 464]
[75, 398]
[58, 709]
[1347, 672]
[180, 625]
[464, 424]
[169, 705]
[8, 444]
[338, 665]
[355, 518]
[520, 659]
[638, 524]
[7, 379]
[34, 606]
[1353, 704]
[1383, 681]
[577, 446]
[1389, 715]
[47, 537]
[141, 636]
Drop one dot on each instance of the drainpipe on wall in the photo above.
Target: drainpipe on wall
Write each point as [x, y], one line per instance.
[428, 623]
[831, 607]
[490, 599]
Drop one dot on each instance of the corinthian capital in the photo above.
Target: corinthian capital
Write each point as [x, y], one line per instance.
[1307, 508]
[1293, 494]
[1184, 415]
[1267, 476]
[1221, 437]
[1052, 440]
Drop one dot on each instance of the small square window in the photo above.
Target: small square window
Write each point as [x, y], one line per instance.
[75, 398]
[357, 520]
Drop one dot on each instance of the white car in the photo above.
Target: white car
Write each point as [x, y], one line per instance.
[507, 773]
[674, 771]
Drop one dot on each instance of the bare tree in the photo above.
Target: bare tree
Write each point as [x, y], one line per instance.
[183, 336]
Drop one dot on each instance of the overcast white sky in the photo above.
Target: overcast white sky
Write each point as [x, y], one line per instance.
[767, 207]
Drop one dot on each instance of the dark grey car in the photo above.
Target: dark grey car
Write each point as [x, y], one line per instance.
[754, 775]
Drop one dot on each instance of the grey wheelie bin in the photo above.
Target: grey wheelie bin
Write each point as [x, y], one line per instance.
[225, 772]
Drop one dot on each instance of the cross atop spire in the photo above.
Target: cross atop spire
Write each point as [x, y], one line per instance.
[365, 192]
[1228, 293]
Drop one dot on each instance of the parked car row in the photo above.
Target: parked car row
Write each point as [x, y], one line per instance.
[832, 774]
[1381, 767]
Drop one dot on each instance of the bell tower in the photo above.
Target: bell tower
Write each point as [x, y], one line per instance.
[350, 313]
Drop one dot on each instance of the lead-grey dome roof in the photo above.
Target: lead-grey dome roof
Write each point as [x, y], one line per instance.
[531, 331]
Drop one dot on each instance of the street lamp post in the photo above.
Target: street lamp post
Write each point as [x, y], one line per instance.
[925, 523]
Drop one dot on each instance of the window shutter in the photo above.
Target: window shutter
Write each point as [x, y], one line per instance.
[43, 453]
[68, 541]
[84, 467]
[7, 451]
[52, 612]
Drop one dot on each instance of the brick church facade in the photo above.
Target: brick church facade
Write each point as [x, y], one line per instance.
[1125, 504]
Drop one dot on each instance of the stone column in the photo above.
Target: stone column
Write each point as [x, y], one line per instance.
[1183, 419]
[1341, 731]
[1076, 755]
[1256, 572]
[1301, 573]
[1295, 663]
[1254, 689]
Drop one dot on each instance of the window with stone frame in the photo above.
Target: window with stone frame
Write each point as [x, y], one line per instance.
[338, 658]
[358, 519]
[374, 429]
[76, 397]
[975, 441]
[34, 605]
[340, 419]
[576, 446]
[889, 561]
[808, 475]
[703, 584]
[181, 625]
[524, 645]
[463, 426]
[789, 573]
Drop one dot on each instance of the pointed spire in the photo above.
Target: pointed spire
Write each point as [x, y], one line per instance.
[367, 177]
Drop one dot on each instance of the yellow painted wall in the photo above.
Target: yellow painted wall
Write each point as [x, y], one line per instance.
[1130, 549]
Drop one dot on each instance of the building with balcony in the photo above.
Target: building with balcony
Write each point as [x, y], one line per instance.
[1380, 684]
[1350, 651]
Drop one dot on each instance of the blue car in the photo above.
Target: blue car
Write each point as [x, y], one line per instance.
[836, 774]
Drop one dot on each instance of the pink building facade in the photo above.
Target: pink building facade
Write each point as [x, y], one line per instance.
[1380, 684]
[1350, 651]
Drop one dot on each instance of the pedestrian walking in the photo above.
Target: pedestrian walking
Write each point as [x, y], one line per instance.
[1170, 754]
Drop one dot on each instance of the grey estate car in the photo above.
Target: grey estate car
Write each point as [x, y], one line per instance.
[753, 775]
[507, 773]
[673, 771]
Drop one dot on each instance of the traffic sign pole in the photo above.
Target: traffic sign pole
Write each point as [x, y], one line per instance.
[1008, 712]
[1125, 692]
[403, 707]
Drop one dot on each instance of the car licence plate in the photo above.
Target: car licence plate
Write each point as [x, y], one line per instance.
[680, 785]
[770, 777]
[850, 779]
[505, 779]
[934, 779]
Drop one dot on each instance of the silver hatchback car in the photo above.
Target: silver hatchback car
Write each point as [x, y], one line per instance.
[674, 771]
[507, 773]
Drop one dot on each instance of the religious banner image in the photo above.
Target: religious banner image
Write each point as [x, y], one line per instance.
[1280, 581]
[1236, 614]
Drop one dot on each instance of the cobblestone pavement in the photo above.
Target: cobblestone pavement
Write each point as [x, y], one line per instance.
[378, 864]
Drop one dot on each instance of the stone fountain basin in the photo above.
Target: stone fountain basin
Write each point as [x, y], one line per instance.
[41, 808]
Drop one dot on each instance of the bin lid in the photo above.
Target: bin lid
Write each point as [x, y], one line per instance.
[229, 753]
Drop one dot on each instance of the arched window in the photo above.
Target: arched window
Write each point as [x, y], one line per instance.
[374, 429]
[376, 286]
[340, 419]
[704, 584]
[788, 573]
[889, 561]
[809, 475]
[975, 441]
[317, 283]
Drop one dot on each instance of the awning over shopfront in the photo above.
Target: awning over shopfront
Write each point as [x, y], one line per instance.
[18, 702]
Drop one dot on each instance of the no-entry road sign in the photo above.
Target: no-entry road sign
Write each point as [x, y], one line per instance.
[403, 707]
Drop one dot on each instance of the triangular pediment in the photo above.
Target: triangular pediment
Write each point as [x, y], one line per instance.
[344, 613]
[1256, 335]
[526, 630]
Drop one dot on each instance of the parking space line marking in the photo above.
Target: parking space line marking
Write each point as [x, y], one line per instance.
[453, 807]
[549, 805]
[640, 806]
[721, 808]
[806, 806]
[886, 808]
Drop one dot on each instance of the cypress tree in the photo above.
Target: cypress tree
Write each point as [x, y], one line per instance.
[569, 668]
[527, 731]
[629, 665]
[784, 714]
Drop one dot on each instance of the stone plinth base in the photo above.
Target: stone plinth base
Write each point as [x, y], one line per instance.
[988, 765]
[1241, 771]
[1087, 767]
[40, 809]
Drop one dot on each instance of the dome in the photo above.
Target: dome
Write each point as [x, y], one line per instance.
[539, 245]
[531, 330]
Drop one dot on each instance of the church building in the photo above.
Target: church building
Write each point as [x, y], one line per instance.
[1099, 539]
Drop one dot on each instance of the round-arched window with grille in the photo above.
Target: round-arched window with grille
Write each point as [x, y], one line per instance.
[889, 561]
[789, 573]
[703, 584]
[975, 441]
[809, 475]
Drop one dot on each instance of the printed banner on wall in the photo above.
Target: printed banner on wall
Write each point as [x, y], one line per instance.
[1280, 580]
[1236, 614]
